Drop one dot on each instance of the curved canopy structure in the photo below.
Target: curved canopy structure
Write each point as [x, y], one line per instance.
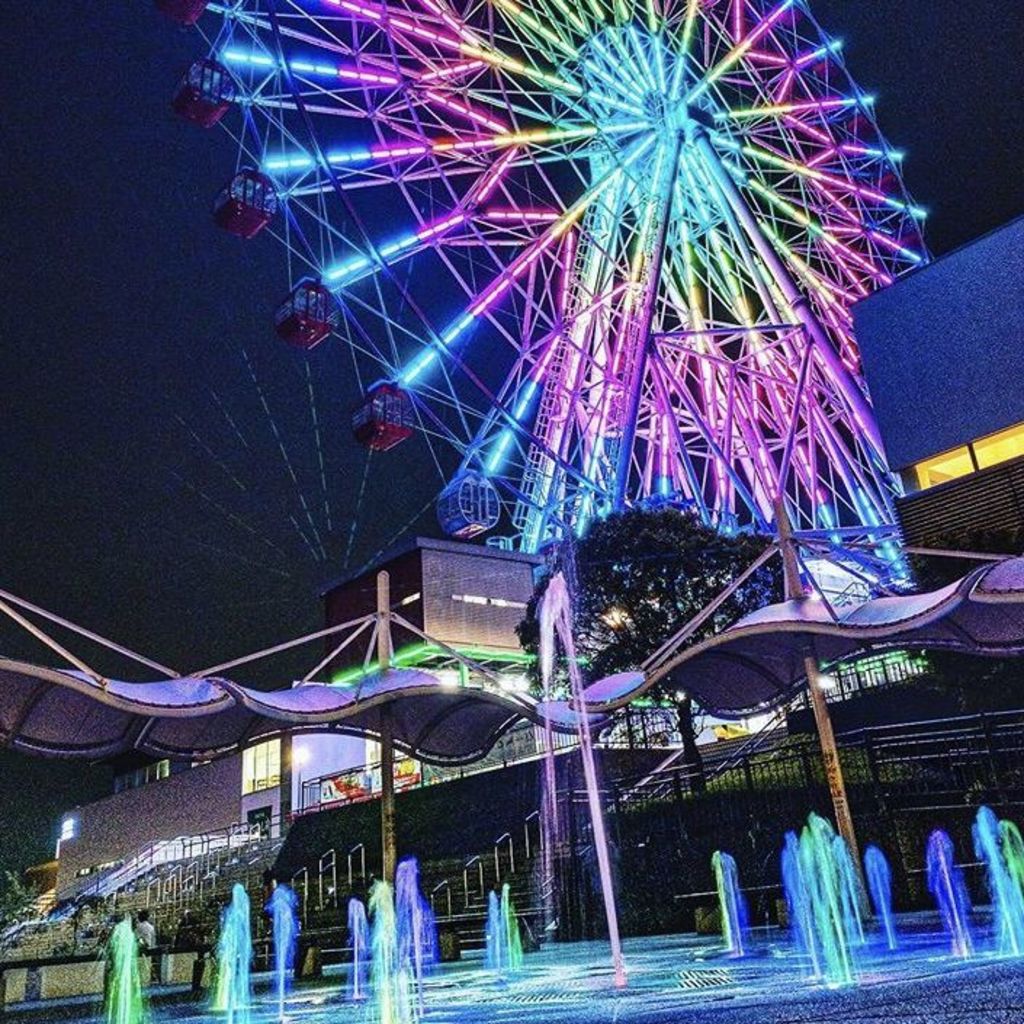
[759, 663]
[56, 713]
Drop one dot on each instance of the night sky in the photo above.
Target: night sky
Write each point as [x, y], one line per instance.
[160, 466]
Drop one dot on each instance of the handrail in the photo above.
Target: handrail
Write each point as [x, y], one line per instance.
[304, 873]
[526, 833]
[446, 885]
[361, 847]
[497, 855]
[330, 859]
[478, 860]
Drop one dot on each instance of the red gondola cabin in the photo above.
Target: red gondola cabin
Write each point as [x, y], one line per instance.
[204, 94]
[304, 318]
[184, 12]
[384, 419]
[246, 204]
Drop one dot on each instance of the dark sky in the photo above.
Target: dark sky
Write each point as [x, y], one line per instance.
[160, 469]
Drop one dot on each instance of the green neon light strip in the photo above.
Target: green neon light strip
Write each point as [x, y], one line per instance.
[417, 654]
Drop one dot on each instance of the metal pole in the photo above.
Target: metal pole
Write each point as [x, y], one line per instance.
[822, 718]
[387, 742]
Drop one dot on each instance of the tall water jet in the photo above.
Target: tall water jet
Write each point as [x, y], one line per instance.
[1007, 895]
[946, 884]
[798, 902]
[285, 928]
[731, 904]
[556, 617]
[504, 952]
[879, 876]
[231, 992]
[358, 936]
[817, 875]
[390, 984]
[849, 890]
[416, 925]
[124, 1002]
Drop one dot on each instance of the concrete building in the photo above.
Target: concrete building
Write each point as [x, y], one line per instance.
[462, 596]
[943, 352]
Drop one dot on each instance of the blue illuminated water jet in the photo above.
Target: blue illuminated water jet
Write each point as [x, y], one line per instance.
[946, 884]
[821, 895]
[416, 925]
[231, 992]
[731, 904]
[358, 937]
[879, 876]
[1003, 882]
[285, 927]
[504, 952]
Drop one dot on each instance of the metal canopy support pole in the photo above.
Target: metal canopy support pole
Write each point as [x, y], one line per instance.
[822, 718]
[387, 742]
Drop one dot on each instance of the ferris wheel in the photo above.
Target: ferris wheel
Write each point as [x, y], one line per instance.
[599, 252]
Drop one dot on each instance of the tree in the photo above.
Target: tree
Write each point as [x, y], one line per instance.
[640, 576]
[17, 900]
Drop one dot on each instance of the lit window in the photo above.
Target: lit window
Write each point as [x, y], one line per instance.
[261, 767]
[944, 467]
[68, 829]
[494, 602]
[1001, 447]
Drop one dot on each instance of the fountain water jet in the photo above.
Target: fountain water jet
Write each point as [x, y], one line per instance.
[879, 876]
[946, 884]
[124, 1003]
[731, 904]
[415, 923]
[817, 875]
[1003, 882]
[231, 993]
[556, 617]
[285, 926]
[390, 983]
[504, 954]
[358, 936]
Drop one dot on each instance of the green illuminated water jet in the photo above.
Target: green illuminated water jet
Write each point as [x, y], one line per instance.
[124, 1002]
[231, 994]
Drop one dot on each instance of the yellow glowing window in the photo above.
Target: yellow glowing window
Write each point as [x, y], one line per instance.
[1001, 447]
[261, 767]
[944, 467]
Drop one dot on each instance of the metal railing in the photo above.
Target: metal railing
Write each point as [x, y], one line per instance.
[328, 868]
[361, 849]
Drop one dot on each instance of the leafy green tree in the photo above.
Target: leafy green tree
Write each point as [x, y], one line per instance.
[16, 899]
[640, 576]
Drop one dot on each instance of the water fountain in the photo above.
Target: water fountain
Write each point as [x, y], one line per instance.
[390, 983]
[285, 928]
[879, 876]
[1004, 888]
[556, 617]
[731, 904]
[850, 891]
[231, 992]
[416, 926]
[358, 936]
[124, 1003]
[504, 954]
[818, 878]
[946, 884]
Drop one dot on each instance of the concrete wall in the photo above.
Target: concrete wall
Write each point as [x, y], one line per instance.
[943, 348]
[206, 798]
[475, 571]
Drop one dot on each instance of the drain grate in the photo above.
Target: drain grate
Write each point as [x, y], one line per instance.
[546, 996]
[711, 977]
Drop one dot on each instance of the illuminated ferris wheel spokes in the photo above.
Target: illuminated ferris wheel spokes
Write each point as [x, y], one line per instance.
[633, 232]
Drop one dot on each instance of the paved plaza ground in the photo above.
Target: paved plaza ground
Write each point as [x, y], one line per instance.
[673, 979]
